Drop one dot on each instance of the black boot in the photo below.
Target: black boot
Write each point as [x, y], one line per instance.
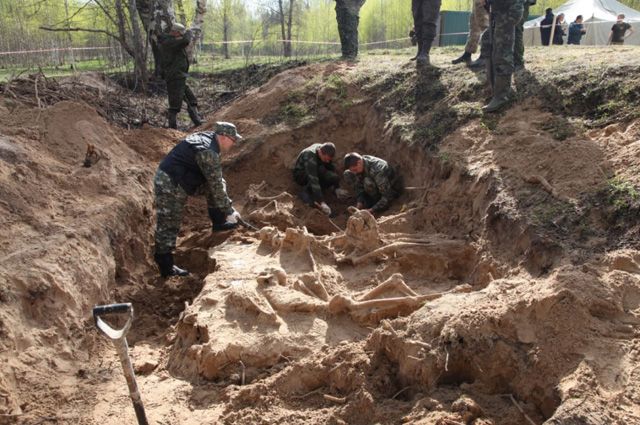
[194, 115]
[478, 63]
[219, 220]
[502, 94]
[173, 119]
[423, 55]
[466, 58]
[166, 266]
[418, 52]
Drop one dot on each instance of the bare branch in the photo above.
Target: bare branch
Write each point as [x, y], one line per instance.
[106, 12]
[81, 29]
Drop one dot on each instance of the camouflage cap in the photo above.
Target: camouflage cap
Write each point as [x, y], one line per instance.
[228, 129]
[177, 27]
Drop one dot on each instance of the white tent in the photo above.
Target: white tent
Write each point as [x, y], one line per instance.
[598, 15]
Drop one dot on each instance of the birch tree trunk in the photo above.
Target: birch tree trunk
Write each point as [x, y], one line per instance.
[157, 17]
[140, 58]
[196, 28]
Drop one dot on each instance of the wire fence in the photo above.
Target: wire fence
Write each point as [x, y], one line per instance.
[53, 59]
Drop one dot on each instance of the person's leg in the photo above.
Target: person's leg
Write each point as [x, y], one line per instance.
[328, 178]
[478, 23]
[192, 105]
[348, 20]
[485, 50]
[518, 48]
[507, 14]
[175, 93]
[430, 12]
[169, 199]
[416, 8]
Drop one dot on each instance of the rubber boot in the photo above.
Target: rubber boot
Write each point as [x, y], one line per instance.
[479, 63]
[173, 119]
[501, 94]
[166, 266]
[466, 58]
[423, 56]
[194, 115]
[418, 52]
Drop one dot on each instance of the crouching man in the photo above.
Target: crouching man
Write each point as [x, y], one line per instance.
[314, 171]
[192, 168]
[374, 181]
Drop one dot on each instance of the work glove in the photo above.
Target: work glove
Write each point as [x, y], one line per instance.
[220, 222]
[324, 207]
[234, 217]
[342, 193]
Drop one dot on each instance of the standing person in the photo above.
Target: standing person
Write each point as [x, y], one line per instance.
[314, 171]
[559, 33]
[545, 27]
[425, 19]
[376, 183]
[619, 31]
[505, 15]
[478, 23]
[518, 48]
[576, 31]
[192, 168]
[175, 68]
[348, 17]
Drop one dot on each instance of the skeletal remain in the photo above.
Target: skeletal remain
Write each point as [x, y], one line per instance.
[253, 194]
[271, 276]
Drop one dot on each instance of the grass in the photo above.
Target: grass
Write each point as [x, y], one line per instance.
[622, 195]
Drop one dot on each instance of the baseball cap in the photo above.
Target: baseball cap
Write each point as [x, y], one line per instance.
[227, 129]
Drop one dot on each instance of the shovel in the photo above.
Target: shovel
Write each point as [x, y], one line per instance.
[118, 336]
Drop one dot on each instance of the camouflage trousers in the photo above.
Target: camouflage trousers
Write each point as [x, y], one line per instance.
[478, 23]
[170, 199]
[505, 15]
[178, 91]
[348, 20]
[425, 20]
[371, 192]
[518, 47]
[327, 179]
[518, 43]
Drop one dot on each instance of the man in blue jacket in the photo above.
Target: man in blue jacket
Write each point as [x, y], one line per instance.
[576, 31]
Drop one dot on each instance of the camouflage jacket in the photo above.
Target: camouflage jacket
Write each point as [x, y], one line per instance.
[175, 62]
[351, 5]
[307, 164]
[384, 177]
[194, 164]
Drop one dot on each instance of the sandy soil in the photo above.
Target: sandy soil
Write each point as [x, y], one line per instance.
[494, 292]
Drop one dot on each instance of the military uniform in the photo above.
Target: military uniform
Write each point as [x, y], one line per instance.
[518, 45]
[313, 174]
[478, 23]
[347, 15]
[505, 15]
[377, 185]
[175, 68]
[425, 20]
[191, 168]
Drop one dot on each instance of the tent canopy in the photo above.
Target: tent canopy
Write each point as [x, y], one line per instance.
[599, 16]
